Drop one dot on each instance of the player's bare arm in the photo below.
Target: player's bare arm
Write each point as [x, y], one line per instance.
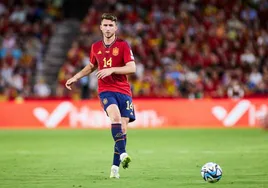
[129, 68]
[84, 72]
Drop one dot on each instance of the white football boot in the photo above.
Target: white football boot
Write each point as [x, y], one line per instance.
[115, 172]
[125, 160]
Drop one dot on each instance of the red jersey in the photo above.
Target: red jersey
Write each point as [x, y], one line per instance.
[115, 55]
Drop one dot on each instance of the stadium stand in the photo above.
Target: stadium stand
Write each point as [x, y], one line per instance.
[183, 49]
[26, 28]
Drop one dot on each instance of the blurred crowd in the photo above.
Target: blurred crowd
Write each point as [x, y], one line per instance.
[187, 48]
[25, 28]
[182, 48]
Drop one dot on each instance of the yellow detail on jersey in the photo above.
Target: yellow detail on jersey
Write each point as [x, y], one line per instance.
[107, 62]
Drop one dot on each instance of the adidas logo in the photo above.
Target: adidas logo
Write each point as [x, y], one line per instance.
[99, 52]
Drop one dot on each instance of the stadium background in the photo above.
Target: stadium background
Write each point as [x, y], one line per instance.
[201, 67]
[208, 51]
[183, 49]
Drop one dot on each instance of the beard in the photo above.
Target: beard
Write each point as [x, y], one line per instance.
[109, 35]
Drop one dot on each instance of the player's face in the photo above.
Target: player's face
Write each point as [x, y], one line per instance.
[108, 28]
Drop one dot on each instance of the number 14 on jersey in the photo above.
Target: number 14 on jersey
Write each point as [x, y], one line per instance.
[107, 63]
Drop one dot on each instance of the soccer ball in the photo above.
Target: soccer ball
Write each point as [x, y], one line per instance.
[211, 172]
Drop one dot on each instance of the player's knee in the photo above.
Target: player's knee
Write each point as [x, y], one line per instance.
[124, 129]
[124, 125]
[115, 119]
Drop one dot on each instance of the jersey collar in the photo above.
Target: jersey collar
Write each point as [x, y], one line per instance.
[107, 46]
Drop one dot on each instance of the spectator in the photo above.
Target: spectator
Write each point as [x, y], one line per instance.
[196, 53]
[189, 49]
[248, 56]
[235, 90]
[25, 31]
[41, 89]
[18, 15]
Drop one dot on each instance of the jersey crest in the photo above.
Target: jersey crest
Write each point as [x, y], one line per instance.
[115, 51]
[105, 101]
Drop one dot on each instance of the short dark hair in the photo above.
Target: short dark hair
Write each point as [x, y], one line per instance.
[108, 16]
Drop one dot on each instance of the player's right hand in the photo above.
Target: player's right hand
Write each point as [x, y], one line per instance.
[69, 83]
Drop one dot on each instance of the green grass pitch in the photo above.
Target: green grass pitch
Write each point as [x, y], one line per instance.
[160, 158]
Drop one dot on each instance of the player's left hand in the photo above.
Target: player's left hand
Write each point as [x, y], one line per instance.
[104, 73]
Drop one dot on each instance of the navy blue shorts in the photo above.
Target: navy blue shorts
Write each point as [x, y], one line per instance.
[124, 103]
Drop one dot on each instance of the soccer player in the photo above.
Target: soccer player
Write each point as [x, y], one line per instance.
[114, 60]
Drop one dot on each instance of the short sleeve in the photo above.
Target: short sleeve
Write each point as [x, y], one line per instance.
[128, 54]
[92, 56]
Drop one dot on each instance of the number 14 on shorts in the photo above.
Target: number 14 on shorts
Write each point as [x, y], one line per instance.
[129, 105]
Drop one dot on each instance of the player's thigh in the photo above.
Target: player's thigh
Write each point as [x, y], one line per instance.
[126, 107]
[110, 105]
[124, 121]
[114, 113]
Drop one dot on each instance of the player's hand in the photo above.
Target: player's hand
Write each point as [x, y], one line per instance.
[104, 73]
[69, 83]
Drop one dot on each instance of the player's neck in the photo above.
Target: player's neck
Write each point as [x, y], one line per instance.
[109, 41]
